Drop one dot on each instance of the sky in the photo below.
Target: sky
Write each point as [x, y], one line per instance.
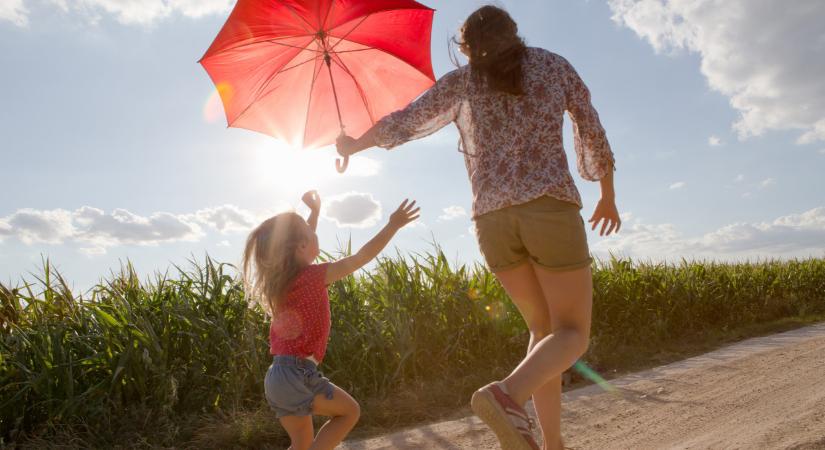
[113, 145]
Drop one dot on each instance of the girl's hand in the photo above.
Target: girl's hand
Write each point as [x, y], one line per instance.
[606, 213]
[345, 145]
[313, 200]
[405, 214]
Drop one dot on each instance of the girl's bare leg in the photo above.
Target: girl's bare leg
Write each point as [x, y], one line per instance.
[343, 412]
[524, 289]
[569, 297]
[300, 431]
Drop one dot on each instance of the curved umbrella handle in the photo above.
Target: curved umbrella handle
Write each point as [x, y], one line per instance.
[341, 167]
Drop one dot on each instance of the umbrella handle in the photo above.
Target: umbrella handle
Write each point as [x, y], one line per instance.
[341, 167]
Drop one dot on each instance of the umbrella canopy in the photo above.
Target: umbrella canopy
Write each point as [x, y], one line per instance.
[300, 70]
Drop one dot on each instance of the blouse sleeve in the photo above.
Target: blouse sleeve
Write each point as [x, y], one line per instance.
[593, 154]
[429, 113]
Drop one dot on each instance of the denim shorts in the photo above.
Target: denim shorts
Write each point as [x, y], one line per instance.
[291, 385]
[547, 231]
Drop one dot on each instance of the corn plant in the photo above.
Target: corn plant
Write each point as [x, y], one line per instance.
[172, 347]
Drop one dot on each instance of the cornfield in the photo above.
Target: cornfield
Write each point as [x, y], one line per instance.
[159, 352]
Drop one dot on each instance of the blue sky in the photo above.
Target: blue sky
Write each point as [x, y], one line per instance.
[111, 149]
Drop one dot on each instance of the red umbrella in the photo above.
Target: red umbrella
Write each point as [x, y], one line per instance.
[303, 70]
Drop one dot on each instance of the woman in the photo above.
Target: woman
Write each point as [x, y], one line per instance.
[508, 105]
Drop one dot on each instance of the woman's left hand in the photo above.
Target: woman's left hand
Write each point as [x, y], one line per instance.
[345, 145]
[608, 215]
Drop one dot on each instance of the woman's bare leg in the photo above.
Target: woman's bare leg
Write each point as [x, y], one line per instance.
[569, 297]
[524, 289]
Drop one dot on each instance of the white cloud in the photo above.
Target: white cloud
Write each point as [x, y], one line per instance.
[714, 141]
[353, 209]
[677, 185]
[92, 251]
[739, 178]
[36, 226]
[794, 235]
[224, 243]
[767, 182]
[226, 218]
[766, 56]
[416, 224]
[96, 230]
[362, 166]
[127, 12]
[5, 229]
[123, 227]
[822, 151]
[14, 11]
[453, 212]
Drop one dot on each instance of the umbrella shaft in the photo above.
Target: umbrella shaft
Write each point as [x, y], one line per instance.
[328, 61]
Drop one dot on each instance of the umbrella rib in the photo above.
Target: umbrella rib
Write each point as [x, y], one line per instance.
[294, 13]
[326, 18]
[341, 63]
[376, 48]
[292, 46]
[272, 41]
[259, 94]
[309, 101]
[355, 50]
[390, 55]
[314, 58]
[341, 39]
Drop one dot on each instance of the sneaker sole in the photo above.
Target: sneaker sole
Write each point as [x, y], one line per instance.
[488, 410]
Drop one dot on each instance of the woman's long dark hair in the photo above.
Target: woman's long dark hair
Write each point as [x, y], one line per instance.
[490, 39]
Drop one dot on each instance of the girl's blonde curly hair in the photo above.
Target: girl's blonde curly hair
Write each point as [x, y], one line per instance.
[269, 261]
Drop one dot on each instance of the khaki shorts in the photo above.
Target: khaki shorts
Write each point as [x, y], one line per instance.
[546, 231]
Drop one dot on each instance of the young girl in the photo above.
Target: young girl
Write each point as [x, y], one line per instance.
[279, 272]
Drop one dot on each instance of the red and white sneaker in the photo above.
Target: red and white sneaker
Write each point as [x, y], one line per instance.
[508, 420]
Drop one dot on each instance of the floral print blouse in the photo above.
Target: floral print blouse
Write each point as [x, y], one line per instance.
[512, 145]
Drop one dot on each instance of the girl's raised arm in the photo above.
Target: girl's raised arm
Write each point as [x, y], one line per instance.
[313, 201]
[405, 214]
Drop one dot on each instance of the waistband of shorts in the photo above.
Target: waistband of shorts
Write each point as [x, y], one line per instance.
[291, 360]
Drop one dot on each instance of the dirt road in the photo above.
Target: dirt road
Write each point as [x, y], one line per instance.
[763, 393]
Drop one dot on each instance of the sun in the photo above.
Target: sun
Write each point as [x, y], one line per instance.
[286, 172]
[291, 171]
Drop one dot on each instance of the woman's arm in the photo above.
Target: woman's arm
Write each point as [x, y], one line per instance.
[594, 156]
[606, 211]
[405, 214]
[429, 113]
[349, 146]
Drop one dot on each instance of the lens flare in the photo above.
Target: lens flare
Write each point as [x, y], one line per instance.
[213, 108]
[593, 376]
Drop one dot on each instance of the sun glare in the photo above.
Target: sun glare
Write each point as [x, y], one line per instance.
[213, 108]
[291, 171]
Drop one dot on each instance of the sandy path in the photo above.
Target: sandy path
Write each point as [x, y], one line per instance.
[763, 393]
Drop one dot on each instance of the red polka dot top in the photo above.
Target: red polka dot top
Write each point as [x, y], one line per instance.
[301, 326]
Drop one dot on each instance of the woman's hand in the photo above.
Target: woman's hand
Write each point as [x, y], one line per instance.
[405, 214]
[312, 200]
[608, 215]
[345, 145]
